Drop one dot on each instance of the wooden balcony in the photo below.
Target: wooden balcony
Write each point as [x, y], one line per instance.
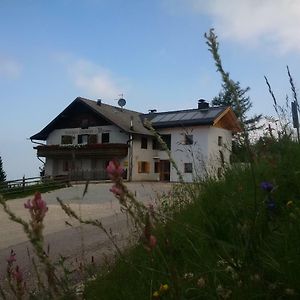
[87, 150]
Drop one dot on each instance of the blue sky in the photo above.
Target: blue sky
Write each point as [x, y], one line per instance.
[153, 52]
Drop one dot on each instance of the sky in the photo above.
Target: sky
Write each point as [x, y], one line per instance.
[151, 52]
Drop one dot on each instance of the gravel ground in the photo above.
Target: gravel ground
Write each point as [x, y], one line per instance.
[98, 202]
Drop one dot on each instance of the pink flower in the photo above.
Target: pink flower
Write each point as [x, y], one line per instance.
[12, 257]
[18, 275]
[152, 241]
[114, 169]
[37, 207]
[116, 190]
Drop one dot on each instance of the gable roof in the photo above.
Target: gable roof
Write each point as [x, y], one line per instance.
[116, 115]
[123, 118]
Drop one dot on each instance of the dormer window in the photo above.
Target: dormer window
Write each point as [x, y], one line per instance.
[144, 142]
[84, 124]
[83, 138]
[105, 138]
[66, 139]
[189, 140]
[87, 139]
[220, 141]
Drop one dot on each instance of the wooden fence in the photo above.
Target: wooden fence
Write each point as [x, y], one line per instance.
[32, 184]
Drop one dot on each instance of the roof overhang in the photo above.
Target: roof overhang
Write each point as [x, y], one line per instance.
[228, 120]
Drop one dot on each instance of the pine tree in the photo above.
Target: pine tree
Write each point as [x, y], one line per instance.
[231, 94]
[2, 173]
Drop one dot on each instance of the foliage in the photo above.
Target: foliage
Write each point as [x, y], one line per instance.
[232, 94]
[219, 246]
[2, 172]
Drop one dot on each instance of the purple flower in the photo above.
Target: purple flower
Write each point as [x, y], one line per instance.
[271, 205]
[266, 186]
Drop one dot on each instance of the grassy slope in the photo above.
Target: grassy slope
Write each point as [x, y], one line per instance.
[238, 249]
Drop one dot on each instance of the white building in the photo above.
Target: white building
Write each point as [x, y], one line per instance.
[83, 138]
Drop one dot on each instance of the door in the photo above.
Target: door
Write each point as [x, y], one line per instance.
[164, 170]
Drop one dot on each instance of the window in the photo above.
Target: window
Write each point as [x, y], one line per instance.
[84, 124]
[66, 139]
[105, 137]
[220, 140]
[156, 167]
[93, 139]
[143, 167]
[155, 145]
[144, 142]
[83, 138]
[167, 139]
[188, 168]
[222, 158]
[188, 139]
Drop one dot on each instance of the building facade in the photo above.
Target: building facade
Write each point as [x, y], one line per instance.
[83, 138]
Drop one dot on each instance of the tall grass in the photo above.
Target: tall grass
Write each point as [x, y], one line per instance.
[216, 247]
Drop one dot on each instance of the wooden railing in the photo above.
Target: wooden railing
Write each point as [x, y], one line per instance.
[32, 184]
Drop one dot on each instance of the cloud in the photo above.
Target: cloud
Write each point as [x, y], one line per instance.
[274, 23]
[9, 68]
[93, 80]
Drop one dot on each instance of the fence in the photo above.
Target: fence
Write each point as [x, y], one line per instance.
[32, 184]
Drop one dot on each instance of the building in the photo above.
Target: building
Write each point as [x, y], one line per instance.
[84, 137]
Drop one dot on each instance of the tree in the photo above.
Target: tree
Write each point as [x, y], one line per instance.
[2, 173]
[231, 94]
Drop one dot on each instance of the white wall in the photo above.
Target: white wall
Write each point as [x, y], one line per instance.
[147, 155]
[181, 153]
[115, 134]
[55, 166]
[214, 161]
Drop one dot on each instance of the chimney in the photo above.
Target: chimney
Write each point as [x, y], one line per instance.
[99, 102]
[151, 111]
[202, 104]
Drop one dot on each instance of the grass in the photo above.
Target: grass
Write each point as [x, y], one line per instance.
[21, 192]
[222, 245]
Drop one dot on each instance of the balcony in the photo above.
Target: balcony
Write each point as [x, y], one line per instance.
[83, 150]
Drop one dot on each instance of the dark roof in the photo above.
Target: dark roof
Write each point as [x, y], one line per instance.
[186, 117]
[119, 116]
[123, 117]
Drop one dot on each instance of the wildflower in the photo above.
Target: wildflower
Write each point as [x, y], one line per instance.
[117, 191]
[163, 288]
[289, 204]
[188, 275]
[271, 205]
[151, 210]
[266, 186]
[150, 240]
[290, 292]
[18, 275]
[229, 269]
[156, 294]
[114, 169]
[201, 282]
[255, 277]
[12, 258]
[37, 207]
[222, 292]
